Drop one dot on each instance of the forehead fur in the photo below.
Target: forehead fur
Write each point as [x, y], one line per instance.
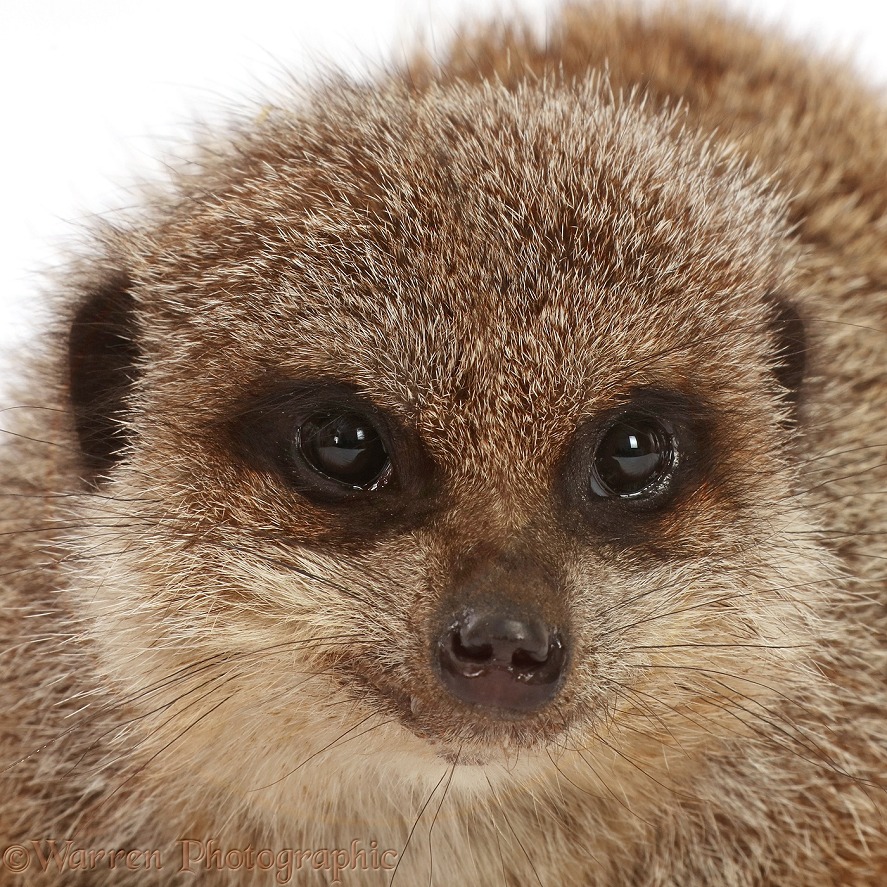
[533, 246]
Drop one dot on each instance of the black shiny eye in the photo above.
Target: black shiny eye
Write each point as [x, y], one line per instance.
[634, 458]
[345, 447]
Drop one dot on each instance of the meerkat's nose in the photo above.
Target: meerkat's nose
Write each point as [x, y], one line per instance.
[500, 659]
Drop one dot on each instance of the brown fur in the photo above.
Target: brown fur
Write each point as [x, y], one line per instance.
[492, 251]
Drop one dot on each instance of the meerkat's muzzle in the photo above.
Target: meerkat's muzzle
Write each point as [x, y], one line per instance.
[495, 657]
[499, 643]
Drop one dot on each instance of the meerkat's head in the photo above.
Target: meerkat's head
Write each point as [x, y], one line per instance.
[426, 425]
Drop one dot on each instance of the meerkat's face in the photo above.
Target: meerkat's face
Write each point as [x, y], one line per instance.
[450, 422]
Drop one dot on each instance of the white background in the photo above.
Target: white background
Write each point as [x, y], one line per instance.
[94, 92]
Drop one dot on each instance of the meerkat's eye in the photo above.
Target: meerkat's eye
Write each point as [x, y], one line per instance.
[360, 465]
[344, 447]
[634, 457]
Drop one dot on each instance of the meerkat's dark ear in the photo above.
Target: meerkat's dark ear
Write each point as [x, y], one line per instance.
[102, 358]
[789, 335]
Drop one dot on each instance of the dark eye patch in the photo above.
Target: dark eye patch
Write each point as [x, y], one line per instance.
[333, 447]
[630, 468]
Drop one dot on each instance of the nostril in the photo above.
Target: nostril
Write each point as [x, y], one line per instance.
[527, 660]
[498, 659]
[472, 652]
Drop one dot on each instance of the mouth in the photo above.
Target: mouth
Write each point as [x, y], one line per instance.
[455, 731]
[464, 757]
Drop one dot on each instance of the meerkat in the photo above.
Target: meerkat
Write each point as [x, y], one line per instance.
[476, 476]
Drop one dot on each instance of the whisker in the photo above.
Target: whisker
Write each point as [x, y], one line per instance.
[513, 832]
[403, 851]
[434, 818]
[339, 740]
[175, 739]
[669, 788]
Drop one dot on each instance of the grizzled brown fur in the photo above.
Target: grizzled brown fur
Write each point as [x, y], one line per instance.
[490, 255]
